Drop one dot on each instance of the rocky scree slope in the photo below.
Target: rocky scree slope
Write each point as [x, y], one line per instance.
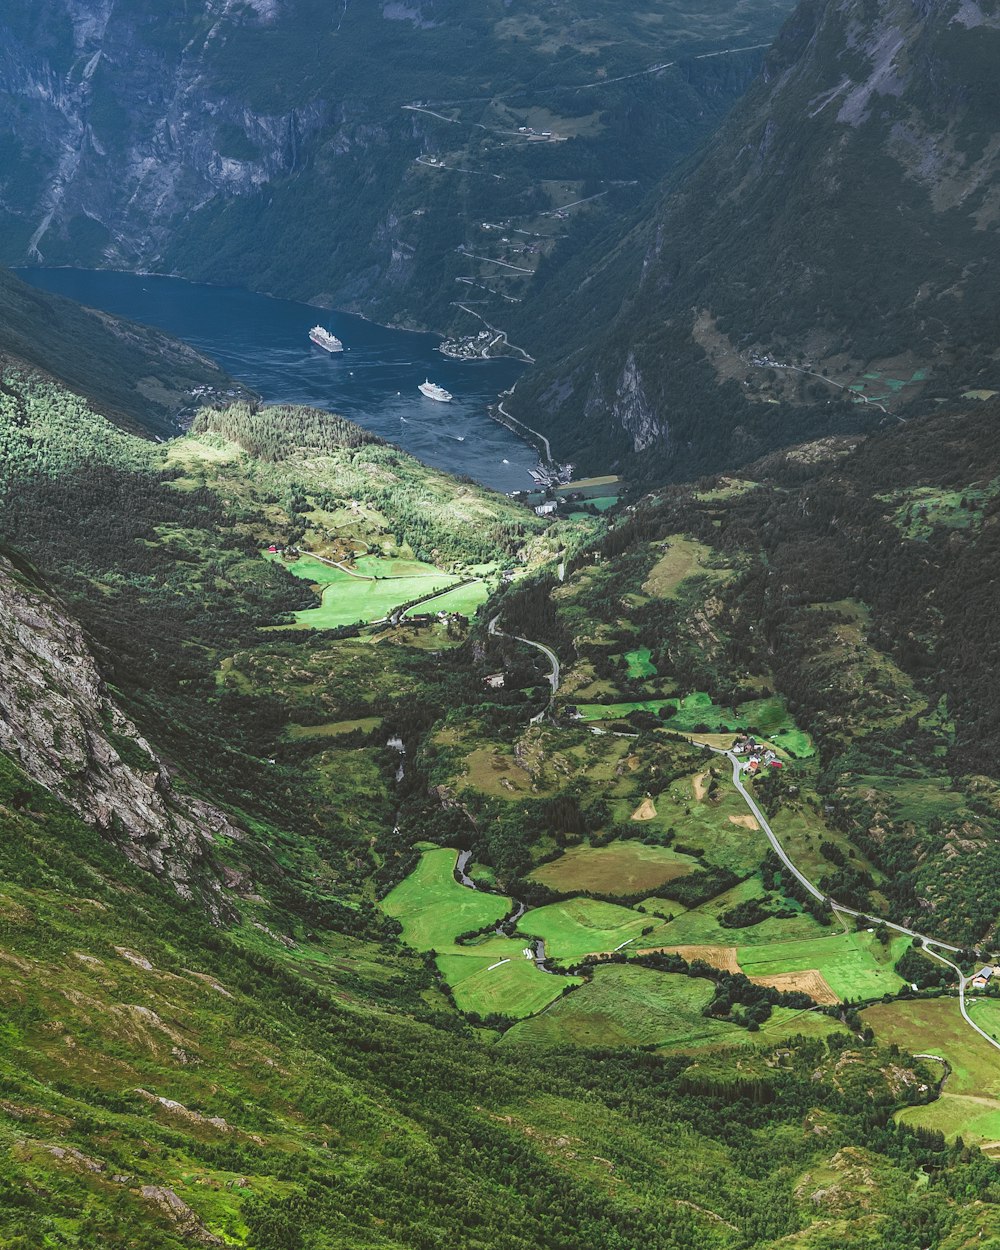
[840, 232]
[60, 724]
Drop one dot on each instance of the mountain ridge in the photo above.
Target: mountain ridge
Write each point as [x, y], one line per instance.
[771, 272]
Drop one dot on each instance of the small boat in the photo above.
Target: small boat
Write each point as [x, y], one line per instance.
[433, 391]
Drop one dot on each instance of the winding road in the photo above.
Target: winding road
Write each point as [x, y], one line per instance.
[553, 674]
[800, 876]
[932, 945]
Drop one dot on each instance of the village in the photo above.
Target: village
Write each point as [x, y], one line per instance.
[758, 755]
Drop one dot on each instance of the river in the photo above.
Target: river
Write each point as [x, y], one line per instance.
[264, 343]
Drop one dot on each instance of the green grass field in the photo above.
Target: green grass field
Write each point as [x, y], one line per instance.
[503, 982]
[353, 601]
[586, 926]
[348, 600]
[624, 1005]
[433, 908]
[682, 558]
[768, 717]
[970, 1100]
[854, 965]
[464, 599]
[619, 868]
[700, 926]
[629, 1006]
[638, 663]
[488, 975]
[333, 729]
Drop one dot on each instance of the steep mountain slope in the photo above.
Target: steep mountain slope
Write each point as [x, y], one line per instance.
[138, 377]
[351, 154]
[855, 579]
[58, 721]
[840, 232]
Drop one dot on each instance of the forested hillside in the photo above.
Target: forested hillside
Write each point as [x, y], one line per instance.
[826, 264]
[138, 377]
[398, 160]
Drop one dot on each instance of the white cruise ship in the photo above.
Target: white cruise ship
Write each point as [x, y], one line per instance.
[323, 338]
[433, 391]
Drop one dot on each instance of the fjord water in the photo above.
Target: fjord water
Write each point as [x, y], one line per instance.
[264, 343]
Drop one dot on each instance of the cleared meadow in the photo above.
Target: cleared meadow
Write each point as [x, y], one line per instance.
[586, 926]
[620, 868]
[969, 1104]
[854, 965]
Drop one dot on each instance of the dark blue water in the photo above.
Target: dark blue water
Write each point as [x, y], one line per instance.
[264, 343]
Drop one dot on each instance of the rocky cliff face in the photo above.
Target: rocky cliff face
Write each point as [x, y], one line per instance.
[288, 145]
[60, 724]
[831, 264]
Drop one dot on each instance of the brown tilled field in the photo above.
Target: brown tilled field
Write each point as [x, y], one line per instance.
[721, 957]
[744, 822]
[812, 983]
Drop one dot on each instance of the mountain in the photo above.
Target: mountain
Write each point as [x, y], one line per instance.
[826, 265]
[141, 378]
[362, 165]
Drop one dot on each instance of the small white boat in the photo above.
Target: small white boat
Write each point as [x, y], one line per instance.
[433, 391]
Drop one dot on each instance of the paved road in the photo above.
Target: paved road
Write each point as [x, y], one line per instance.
[815, 891]
[548, 450]
[929, 942]
[553, 674]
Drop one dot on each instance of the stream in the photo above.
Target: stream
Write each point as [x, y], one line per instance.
[538, 946]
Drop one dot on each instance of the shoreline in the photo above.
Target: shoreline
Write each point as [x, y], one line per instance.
[489, 408]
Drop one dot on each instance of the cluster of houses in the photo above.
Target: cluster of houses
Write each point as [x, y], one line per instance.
[983, 977]
[758, 756]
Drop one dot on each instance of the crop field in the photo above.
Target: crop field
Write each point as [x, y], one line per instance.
[854, 965]
[970, 1100]
[464, 599]
[638, 663]
[433, 908]
[585, 926]
[620, 868]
